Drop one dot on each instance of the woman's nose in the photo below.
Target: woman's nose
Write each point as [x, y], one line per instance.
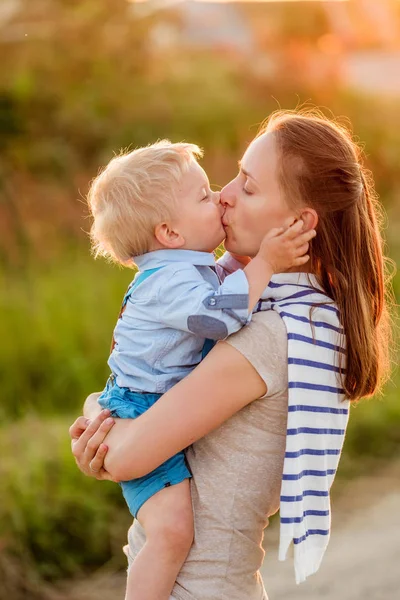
[227, 195]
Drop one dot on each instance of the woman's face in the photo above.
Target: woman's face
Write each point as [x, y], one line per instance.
[253, 201]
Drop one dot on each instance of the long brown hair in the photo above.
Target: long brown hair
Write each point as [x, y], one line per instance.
[320, 166]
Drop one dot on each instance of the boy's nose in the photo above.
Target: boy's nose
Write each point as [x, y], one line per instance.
[216, 197]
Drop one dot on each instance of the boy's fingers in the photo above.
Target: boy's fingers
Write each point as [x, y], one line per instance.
[310, 234]
[294, 230]
[301, 260]
[275, 232]
[305, 237]
[302, 249]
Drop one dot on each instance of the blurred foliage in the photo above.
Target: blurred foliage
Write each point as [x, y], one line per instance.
[54, 522]
[58, 325]
[84, 82]
[66, 106]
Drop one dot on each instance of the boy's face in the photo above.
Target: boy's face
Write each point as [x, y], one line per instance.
[199, 212]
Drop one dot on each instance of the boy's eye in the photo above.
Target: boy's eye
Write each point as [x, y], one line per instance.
[205, 197]
[246, 191]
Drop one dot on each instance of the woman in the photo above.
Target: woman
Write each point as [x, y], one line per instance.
[299, 165]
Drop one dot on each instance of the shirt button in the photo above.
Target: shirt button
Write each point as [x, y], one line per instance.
[213, 302]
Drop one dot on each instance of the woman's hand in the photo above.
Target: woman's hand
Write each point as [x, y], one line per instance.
[87, 437]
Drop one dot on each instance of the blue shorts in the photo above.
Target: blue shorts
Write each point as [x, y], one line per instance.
[125, 404]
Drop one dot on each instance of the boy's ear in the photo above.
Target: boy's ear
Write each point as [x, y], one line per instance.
[168, 237]
[310, 218]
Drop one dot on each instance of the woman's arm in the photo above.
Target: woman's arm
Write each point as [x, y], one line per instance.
[222, 384]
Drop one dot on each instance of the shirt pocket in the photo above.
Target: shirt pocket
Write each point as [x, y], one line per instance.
[168, 346]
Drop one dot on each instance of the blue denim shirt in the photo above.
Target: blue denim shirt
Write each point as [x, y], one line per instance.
[161, 333]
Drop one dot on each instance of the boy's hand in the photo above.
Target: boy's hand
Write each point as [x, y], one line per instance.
[283, 248]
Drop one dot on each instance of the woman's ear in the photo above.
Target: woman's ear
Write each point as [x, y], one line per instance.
[310, 218]
[168, 237]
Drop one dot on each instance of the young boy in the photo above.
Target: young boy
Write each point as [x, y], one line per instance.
[153, 207]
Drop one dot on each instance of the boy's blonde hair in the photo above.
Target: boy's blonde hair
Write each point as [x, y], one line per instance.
[134, 193]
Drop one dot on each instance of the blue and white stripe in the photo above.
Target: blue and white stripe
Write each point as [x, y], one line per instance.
[317, 415]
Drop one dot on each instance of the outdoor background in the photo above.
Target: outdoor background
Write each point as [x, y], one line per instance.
[80, 79]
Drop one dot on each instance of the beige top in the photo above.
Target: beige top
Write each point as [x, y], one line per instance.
[237, 471]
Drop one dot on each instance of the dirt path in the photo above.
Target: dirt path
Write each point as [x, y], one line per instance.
[362, 561]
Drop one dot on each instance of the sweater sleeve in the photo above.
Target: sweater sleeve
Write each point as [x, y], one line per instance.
[264, 344]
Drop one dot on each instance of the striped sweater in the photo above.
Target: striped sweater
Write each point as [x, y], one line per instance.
[317, 415]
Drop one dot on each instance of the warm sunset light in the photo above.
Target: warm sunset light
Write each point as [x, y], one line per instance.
[229, 1]
[170, 2]
[262, 420]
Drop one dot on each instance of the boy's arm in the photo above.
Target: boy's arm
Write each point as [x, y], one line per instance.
[189, 303]
[258, 273]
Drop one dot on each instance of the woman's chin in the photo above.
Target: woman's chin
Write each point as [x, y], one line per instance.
[235, 248]
[229, 247]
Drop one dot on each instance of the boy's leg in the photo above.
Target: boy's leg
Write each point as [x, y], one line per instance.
[167, 519]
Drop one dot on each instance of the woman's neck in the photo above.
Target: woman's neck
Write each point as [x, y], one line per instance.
[301, 269]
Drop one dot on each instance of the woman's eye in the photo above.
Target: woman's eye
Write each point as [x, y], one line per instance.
[205, 198]
[247, 192]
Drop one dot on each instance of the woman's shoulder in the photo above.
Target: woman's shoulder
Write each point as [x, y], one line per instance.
[264, 343]
[265, 327]
[270, 323]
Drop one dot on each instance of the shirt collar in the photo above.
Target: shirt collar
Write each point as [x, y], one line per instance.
[161, 258]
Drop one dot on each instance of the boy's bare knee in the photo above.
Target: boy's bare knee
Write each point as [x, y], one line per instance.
[177, 533]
